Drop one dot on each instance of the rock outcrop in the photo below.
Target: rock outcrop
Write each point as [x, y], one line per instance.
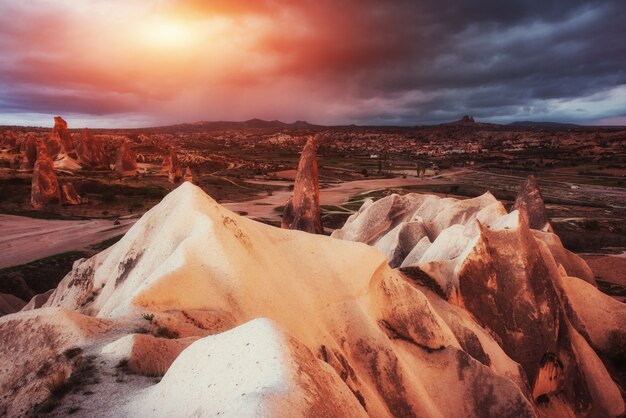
[90, 151]
[509, 277]
[28, 152]
[126, 161]
[69, 195]
[188, 175]
[172, 167]
[60, 129]
[10, 304]
[530, 200]
[302, 212]
[45, 185]
[273, 322]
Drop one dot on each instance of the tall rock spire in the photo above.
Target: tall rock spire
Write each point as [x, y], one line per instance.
[45, 185]
[302, 212]
[529, 199]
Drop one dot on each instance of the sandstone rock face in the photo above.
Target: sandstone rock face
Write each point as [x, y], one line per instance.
[530, 200]
[265, 321]
[9, 140]
[349, 337]
[54, 145]
[188, 174]
[302, 212]
[45, 185]
[37, 301]
[69, 196]
[90, 151]
[510, 278]
[10, 304]
[60, 128]
[126, 161]
[172, 167]
[28, 152]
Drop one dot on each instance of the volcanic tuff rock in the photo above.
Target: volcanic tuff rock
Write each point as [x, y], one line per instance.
[188, 174]
[69, 196]
[10, 304]
[60, 128]
[349, 336]
[302, 212]
[274, 322]
[45, 185]
[126, 161]
[90, 151]
[529, 199]
[28, 152]
[171, 166]
[510, 279]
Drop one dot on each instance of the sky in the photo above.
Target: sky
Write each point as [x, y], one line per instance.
[132, 63]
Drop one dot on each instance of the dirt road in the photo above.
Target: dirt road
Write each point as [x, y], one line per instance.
[26, 239]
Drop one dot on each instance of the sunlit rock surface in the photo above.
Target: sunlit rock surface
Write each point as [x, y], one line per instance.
[245, 319]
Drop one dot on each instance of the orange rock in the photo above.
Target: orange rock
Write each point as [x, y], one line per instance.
[45, 185]
[302, 212]
[60, 127]
[69, 196]
[172, 167]
[529, 199]
[28, 151]
[188, 174]
[90, 151]
[54, 145]
[126, 161]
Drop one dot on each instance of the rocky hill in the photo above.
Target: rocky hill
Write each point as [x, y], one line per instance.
[484, 317]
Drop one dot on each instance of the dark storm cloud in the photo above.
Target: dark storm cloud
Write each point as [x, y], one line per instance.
[490, 58]
[365, 61]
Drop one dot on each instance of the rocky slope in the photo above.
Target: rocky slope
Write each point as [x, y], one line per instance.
[244, 319]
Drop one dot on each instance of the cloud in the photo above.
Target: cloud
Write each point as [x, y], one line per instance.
[354, 61]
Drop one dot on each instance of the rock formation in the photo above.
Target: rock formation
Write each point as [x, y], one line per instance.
[126, 161]
[188, 174]
[10, 304]
[508, 277]
[171, 166]
[90, 151]
[530, 200]
[69, 196]
[45, 185]
[466, 120]
[28, 152]
[274, 322]
[302, 212]
[60, 128]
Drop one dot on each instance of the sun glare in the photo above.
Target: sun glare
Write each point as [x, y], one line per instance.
[167, 33]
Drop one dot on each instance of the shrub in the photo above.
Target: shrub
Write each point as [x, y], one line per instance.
[70, 353]
[57, 386]
[164, 332]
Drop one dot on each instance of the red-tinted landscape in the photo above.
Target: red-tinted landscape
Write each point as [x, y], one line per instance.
[382, 256]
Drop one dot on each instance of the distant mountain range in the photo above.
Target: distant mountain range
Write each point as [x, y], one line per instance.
[530, 123]
[248, 124]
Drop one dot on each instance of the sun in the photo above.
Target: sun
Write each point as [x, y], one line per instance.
[166, 33]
